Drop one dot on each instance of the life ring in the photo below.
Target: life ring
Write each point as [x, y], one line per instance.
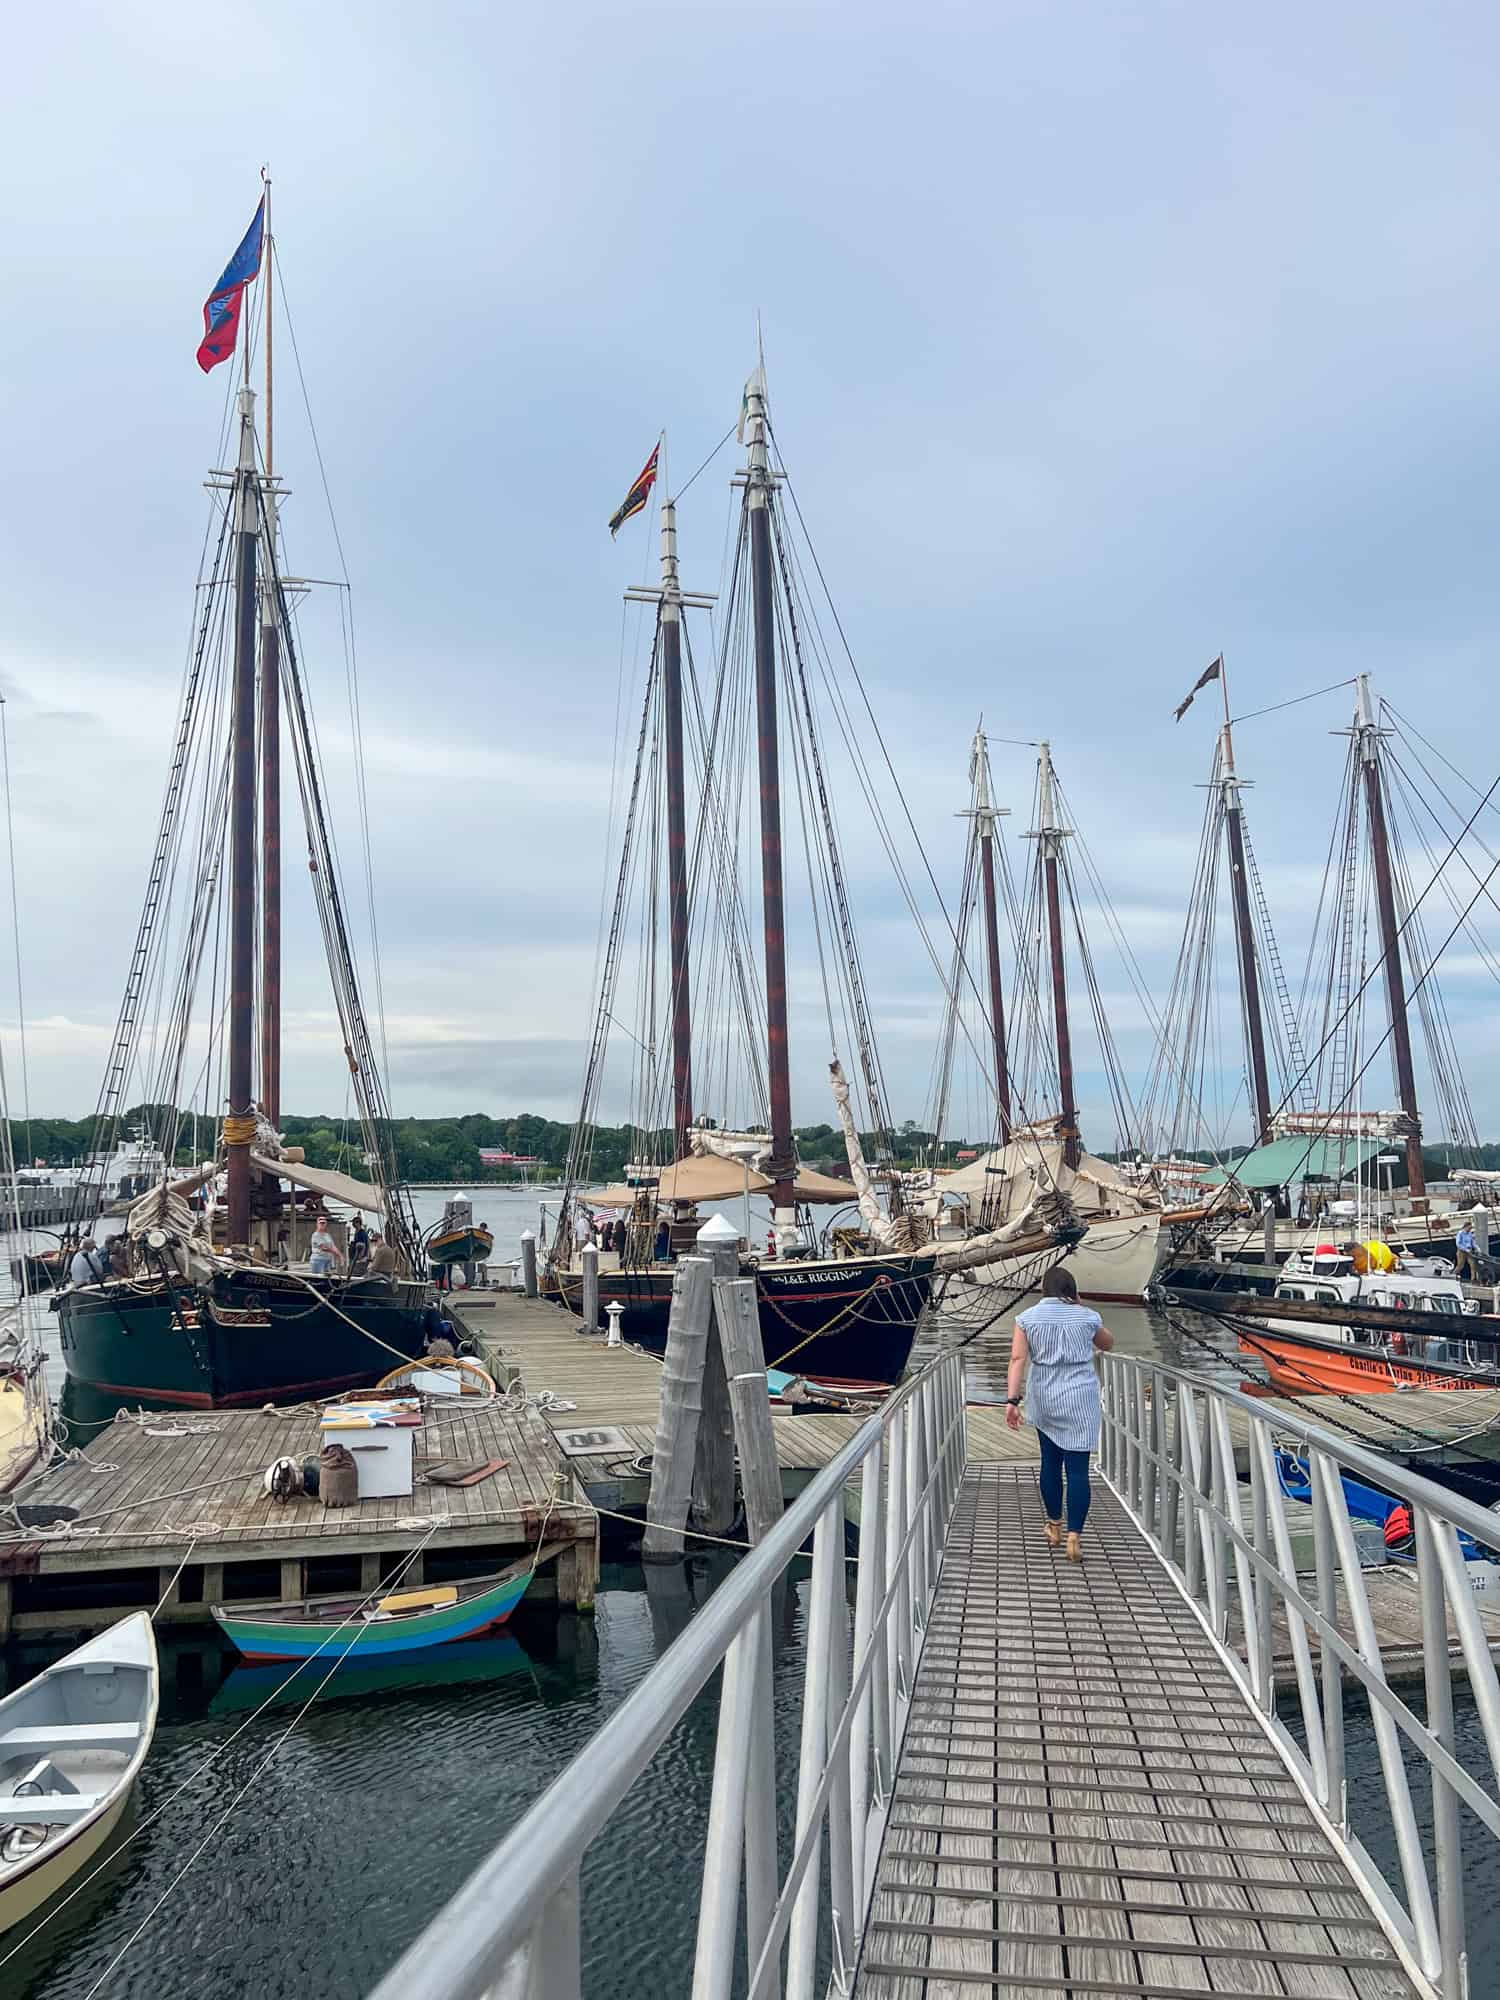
[483, 1385]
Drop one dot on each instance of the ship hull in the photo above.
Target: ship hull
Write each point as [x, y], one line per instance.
[1114, 1264]
[253, 1337]
[850, 1321]
[1302, 1364]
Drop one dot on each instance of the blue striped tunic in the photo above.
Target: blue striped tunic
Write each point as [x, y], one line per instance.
[1062, 1386]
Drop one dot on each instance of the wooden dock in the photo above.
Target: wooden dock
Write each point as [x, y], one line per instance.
[1084, 1803]
[184, 1489]
[178, 1489]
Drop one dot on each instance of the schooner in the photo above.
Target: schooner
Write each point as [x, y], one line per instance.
[839, 1303]
[218, 1305]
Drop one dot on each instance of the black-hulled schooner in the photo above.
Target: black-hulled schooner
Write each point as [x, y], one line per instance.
[216, 1301]
[838, 1304]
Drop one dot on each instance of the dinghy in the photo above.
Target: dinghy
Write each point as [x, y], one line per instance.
[72, 1743]
[333, 1629]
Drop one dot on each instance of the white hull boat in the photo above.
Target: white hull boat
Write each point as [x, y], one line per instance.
[72, 1743]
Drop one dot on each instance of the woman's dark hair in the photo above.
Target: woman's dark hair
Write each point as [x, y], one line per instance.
[1060, 1283]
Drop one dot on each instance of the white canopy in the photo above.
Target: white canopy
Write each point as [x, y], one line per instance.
[322, 1180]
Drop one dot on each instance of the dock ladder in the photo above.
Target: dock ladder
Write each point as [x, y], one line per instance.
[1122, 1777]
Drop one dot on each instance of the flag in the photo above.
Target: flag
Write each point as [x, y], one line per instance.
[221, 314]
[638, 495]
[1209, 673]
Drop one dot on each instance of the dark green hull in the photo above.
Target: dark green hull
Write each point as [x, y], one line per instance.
[253, 1337]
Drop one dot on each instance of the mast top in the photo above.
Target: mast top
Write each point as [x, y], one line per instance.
[247, 428]
[1365, 726]
[1049, 828]
[671, 588]
[753, 428]
[984, 808]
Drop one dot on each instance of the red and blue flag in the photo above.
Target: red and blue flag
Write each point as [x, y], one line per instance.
[221, 314]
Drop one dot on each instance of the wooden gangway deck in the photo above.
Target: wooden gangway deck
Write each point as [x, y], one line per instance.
[1086, 1804]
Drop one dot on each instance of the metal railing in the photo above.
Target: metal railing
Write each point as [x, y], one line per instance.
[1170, 1446]
[512, 1932]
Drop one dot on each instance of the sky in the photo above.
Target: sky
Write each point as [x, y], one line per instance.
[1100, 339]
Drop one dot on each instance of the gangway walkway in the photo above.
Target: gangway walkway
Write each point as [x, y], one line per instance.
[1083, 1801]
[1023, 1775]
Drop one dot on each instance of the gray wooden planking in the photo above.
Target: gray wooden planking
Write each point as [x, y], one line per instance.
[1085, 1805]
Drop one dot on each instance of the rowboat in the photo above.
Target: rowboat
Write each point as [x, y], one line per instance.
[72, 1743]
[337, 1628]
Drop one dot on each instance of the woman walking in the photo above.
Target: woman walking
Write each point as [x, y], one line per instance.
[1052, 1355]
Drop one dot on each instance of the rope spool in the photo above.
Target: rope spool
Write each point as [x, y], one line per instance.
[239, 1129]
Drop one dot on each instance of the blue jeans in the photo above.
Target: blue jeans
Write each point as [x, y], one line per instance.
[1055, 1461]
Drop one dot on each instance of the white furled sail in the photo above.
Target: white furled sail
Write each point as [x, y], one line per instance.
[878, 1225]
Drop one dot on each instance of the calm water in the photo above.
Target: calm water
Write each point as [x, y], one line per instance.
[358, 1819]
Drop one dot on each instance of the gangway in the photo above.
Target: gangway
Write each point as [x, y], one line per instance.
[1029, 1776]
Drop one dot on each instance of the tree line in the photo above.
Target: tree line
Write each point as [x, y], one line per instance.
[448, 1149]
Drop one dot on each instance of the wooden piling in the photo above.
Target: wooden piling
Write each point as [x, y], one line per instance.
[681, 1410]
[589, 1259]
[737, 1316]
[528, 1262]
[713, 1469]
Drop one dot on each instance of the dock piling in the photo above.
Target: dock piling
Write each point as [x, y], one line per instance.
[589, 1259]
[528, 1262]
[681, 1410]
[737, 1317]
[713, 1475]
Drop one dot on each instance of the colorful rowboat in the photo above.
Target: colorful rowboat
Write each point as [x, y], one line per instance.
[338, 1628]
[471, 1244]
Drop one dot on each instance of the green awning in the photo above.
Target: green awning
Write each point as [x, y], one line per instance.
[1286, 1161]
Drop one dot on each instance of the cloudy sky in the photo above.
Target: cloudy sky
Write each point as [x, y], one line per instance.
[1100, 338]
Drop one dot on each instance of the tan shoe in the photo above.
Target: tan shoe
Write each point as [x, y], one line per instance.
[1053, 1531]
[1075, 1549]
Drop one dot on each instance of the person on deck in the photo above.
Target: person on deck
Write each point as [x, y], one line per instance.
[1464, 1245]
[1052, 1356]
[382, 1258]
[87, 1267]
[662, 1250]
[118, 1252]
[359, 1246]
[323, 1252]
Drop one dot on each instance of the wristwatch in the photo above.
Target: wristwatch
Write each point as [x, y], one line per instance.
[1013, 1402]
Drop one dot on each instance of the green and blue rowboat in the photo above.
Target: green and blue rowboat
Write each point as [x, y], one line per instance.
[338, 1628]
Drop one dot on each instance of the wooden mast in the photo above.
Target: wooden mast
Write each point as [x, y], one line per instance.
[1051, 837]
[1244, 934]
[270, 759]
[985, 815]
[781, 1166]
[239, 1123]
[1368, 734]
[677, 885]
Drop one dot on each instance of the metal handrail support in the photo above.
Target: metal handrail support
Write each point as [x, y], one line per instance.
[513, 1930]
[1178, 1481]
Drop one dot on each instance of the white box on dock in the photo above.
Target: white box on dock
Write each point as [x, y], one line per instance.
[381, 1445]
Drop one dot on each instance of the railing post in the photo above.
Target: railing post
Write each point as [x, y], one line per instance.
[1172, 1504]
[1260, 1638]
[916, 1478]
[1336, 1796]
[841, 1878]
[1447, 1827]
[719, 1904]
[1193, 1544]
[897, 1571]
[869, 1589]
[1146, 1405]
[549, 1966]
[827, 1578]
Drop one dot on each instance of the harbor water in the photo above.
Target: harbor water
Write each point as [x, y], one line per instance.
[294, 1834]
